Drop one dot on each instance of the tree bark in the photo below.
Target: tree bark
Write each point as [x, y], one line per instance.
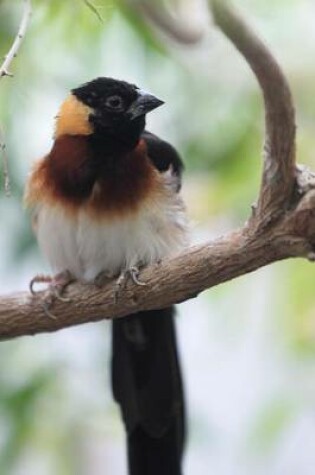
[281, 225]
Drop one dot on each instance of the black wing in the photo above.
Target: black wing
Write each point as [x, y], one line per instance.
[163, 155]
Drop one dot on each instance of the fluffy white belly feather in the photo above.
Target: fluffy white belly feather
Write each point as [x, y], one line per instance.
[87, 247]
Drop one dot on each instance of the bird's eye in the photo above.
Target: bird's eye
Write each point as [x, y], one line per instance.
[114, 102]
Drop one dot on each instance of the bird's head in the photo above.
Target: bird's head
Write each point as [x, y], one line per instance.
[110, 109]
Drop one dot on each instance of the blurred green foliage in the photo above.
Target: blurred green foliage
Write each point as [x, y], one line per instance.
[214, 116]
[272, 423]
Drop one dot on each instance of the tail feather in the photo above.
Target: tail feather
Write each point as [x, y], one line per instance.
[147, 384]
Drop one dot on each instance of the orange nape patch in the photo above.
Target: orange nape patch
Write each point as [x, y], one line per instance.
[73, 118]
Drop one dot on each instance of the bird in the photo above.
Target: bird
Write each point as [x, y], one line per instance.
[105, 202]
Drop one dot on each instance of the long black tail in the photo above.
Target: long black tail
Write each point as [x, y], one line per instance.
[147, 384]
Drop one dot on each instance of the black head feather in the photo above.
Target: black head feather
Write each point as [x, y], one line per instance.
[96, 93]
[118, 109]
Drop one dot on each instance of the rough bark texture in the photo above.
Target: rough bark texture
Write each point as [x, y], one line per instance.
[282, 224]
[173, 281]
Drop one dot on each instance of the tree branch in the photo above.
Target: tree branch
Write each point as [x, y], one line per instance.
[279, 150]
[169, 282]
[282, 226]
[5, 165]
[26, 15]
[4, 71]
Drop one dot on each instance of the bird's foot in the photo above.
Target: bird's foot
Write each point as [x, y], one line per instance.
[134, 272]
[131, 273]
[56, 286]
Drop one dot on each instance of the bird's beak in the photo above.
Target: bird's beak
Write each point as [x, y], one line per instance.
[143, 104]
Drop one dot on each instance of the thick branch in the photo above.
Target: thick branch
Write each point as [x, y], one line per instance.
[290, 218]
[278, 175]
[173, 281]
[170, 282]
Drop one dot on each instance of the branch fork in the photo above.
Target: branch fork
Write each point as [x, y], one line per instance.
[281, 225]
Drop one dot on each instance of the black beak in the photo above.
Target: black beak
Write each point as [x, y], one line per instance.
[143, 104]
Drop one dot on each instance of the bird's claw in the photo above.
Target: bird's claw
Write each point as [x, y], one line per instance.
[133, 273]
[46, 308]
[56, 286]
[119, 285]
[39, 279]
[57, 291]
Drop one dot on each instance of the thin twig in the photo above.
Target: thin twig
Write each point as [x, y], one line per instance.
[27, 11]
[5, 165]
[94, 9]
[4, 71]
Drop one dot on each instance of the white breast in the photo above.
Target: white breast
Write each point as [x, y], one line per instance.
[87, 247]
